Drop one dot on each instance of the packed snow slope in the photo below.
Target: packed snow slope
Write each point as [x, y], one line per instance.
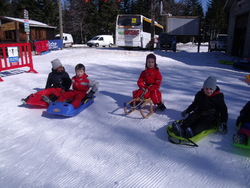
[103, 148]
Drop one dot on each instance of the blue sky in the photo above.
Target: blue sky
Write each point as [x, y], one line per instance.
[204, 4]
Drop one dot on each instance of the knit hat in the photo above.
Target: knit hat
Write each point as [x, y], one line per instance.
[210, 82]
[56, 63]
[151, 56]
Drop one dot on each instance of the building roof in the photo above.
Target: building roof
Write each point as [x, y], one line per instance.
[32, 23]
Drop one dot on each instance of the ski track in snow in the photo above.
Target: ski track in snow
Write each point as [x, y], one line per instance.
[101, 147]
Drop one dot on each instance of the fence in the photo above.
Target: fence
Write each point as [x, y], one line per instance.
[16, 55]
[41, 46]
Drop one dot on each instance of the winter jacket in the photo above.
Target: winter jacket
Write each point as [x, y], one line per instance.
[58, 80]
[213, 105]
[150, 79]
[83, 83]
[244, 114]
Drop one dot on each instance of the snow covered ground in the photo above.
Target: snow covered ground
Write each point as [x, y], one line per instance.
[103, 148]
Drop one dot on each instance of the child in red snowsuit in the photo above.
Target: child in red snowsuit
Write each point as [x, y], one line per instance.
[58, 81]
[81, 85]
[149, 83]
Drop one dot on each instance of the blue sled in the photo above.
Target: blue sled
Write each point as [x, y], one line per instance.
[67, 109]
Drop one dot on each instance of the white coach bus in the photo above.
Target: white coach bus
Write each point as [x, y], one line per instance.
[134, 31]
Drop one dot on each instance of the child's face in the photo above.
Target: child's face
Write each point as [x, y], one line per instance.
[80, 72]
[59, 69]
[151, 63]
[208, 91]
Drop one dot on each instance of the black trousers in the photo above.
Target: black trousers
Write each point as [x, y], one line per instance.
[199, 123]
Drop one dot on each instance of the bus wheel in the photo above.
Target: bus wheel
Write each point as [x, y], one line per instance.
[96, 45]
[110, 45]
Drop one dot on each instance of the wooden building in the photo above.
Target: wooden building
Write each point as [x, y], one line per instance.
[14, 30]
[238, 43]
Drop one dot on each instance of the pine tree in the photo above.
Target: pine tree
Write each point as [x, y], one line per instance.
[47, 12]
[30, 5]
[216, 18]
[193, 8]
[4, 7]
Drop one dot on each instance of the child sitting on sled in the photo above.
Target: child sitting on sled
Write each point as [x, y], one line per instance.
[208, 106]
[58, 81]
[81, 85]
[149, 83]
[243, 124]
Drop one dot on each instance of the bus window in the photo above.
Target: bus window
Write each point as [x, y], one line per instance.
[129, 21]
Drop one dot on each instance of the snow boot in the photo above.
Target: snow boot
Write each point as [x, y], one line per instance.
[177, 129]
[161, 106]
[189, 132]
[26, 99]
[240, 139]
[46, 99]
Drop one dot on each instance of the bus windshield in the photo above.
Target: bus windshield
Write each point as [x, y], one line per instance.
[129, 20]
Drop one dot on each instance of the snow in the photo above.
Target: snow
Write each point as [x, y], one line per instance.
[101, 147]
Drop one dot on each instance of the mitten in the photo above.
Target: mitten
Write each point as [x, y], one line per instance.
[184, 113]
[222, 128]
[90, 94]
[53, 98]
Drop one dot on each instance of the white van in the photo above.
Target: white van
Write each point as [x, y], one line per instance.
[101, 40]
[67, 39]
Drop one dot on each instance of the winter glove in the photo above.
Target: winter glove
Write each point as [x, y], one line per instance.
[53, 98]
[222, 128]
[184, 113]
[90, 94]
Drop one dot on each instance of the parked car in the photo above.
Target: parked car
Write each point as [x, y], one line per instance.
[167, 42]
[67, 39]
[219, 44]
[101, 40]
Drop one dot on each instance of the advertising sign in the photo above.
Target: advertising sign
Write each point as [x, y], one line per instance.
[26, 21]
[26, 26]
[13, 54]
[55, 44]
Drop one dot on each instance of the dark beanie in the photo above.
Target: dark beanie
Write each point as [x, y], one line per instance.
[210, 82]
[151, 56]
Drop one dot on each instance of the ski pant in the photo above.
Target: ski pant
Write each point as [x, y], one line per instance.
[199, 123]
[245, 129]
[76, 96]
[36, 98]
[154, 95]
